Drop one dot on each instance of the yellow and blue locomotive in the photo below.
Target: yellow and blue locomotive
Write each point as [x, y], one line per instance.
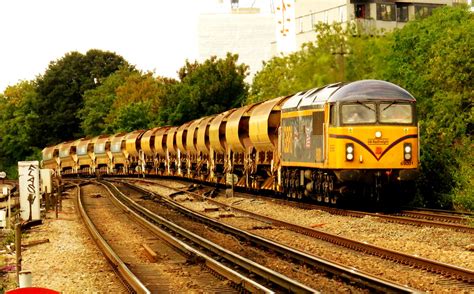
[348, 139]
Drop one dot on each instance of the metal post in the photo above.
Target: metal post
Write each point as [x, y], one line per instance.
[232, 194]
[56, 199]
[60, 197]
[18, 251]
[46, 199]
[9, 218]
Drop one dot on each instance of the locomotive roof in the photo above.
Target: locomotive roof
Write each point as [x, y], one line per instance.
[353, 91]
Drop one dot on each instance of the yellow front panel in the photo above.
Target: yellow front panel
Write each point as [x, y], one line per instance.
[370, 152]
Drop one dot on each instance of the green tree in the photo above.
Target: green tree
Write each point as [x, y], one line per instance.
[204, 89]
[433, 59]
[17, 122]
[367, 49]
[137, 103]
[318, 63]
[114, 105]
[98, 102]
[132, 116]
[60, 91]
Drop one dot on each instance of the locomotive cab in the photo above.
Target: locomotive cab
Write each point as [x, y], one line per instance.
[373, 136]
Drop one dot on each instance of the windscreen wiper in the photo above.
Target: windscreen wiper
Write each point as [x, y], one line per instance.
[358, 102]
[391, 103]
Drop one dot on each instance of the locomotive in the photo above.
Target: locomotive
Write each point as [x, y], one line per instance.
[342, 141]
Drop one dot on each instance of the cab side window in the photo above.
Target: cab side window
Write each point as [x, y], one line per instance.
[332, 115]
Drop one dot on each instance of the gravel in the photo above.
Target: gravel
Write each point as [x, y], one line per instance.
[434, 243]
[70, 262]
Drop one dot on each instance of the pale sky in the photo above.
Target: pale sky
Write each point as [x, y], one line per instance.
[155, 35]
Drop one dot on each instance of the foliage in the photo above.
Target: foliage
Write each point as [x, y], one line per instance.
[131, 117]
[98, 103]
[17, 122]
[205, 89]
[367, 50]
[316, 64]
[432, 58]
[60, 90]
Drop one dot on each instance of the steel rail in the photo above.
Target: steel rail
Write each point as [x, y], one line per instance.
[435, 216]
[267, 274]
[445, 269]
[353, 275]
[214, 265]
[381, 216]
[359, 214]
[116, 261]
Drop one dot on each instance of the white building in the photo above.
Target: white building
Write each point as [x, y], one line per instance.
[243, 27]
[300, 16]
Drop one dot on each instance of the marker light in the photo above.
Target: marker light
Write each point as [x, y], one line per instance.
[378, 134]
[407, 150]
[349, 151]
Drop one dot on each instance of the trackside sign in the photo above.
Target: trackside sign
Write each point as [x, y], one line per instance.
[28, 172]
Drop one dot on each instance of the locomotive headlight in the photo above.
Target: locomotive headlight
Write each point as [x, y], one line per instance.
[378, 134]
[349, 151]
[407, 151]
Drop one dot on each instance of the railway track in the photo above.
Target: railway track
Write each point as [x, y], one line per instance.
[444, 269]
[255, 277]
[180, 260]
[350, 275]
[406, 217]
[461, 222]
[439, 215]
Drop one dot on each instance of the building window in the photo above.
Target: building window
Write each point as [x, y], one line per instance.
[402, 12]
[422, 11]
[234, 4]
[386, 12]
[360, 11]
